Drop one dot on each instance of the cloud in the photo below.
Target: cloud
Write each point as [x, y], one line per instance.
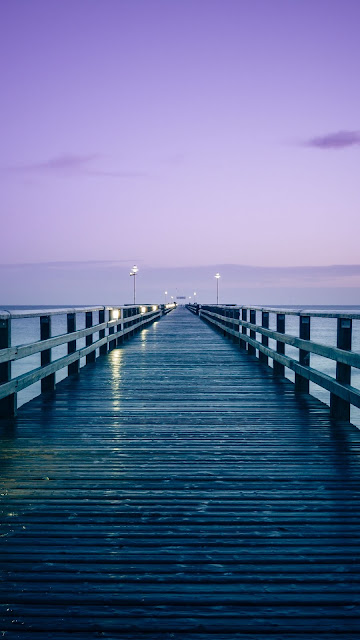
[68, 164]
[338, 140]
[62, 163]
[71, 264]
[233, 275]
[118, 174]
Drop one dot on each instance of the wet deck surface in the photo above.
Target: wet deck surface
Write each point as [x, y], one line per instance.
[176, 490]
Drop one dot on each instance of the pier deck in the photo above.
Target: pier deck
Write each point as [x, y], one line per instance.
[176, 489]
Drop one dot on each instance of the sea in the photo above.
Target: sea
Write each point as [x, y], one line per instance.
[323, 330]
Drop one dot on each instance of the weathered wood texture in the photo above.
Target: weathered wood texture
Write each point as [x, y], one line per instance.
[178, 490]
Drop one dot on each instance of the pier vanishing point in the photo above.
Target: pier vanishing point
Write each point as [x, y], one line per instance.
[178, 486]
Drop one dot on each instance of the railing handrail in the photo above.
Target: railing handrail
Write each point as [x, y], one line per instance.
[350, 358]
[230, 319]
[288, 311]
[126, 320]
[22, 351]
[37, 313]
[26, 379]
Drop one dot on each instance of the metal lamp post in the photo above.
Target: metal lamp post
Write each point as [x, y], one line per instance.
[217, 276]
[133, 273]
[165, 296]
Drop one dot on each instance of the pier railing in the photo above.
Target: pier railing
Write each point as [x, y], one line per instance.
[241, 323]
[113, 326]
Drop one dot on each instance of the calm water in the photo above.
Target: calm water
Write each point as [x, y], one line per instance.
[323, 330]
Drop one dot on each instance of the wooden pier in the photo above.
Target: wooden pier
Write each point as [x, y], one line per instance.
[177, 489]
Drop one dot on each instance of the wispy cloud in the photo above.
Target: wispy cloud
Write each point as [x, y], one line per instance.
[337, 140]
[66, 162]
[118, 174]
[72, 264]
[69, 164]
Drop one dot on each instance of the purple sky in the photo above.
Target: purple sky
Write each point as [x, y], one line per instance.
[181, 133]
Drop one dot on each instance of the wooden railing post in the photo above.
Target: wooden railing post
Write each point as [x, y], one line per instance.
[122, 327]
[264, 339]
[104, 347]
[8, 404]
[91, 357]
[339, 408]
[48, 383]
[126, 315]
[224, 314]
[251, 349]
[236, 326]
[71, 327]
[119, 340]
[111, 331]
[278, 368]
[134, 322]
[301, 383]
[243, 329]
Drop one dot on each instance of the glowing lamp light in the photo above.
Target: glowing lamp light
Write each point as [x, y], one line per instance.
[115, 314]
[154, 307]
[142, 309]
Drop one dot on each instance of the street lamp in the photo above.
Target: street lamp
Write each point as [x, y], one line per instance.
[194, 296]
[133, 273]
[217, 276]
[165, 297]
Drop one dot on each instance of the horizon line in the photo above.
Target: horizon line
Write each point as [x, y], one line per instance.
[149, 266]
